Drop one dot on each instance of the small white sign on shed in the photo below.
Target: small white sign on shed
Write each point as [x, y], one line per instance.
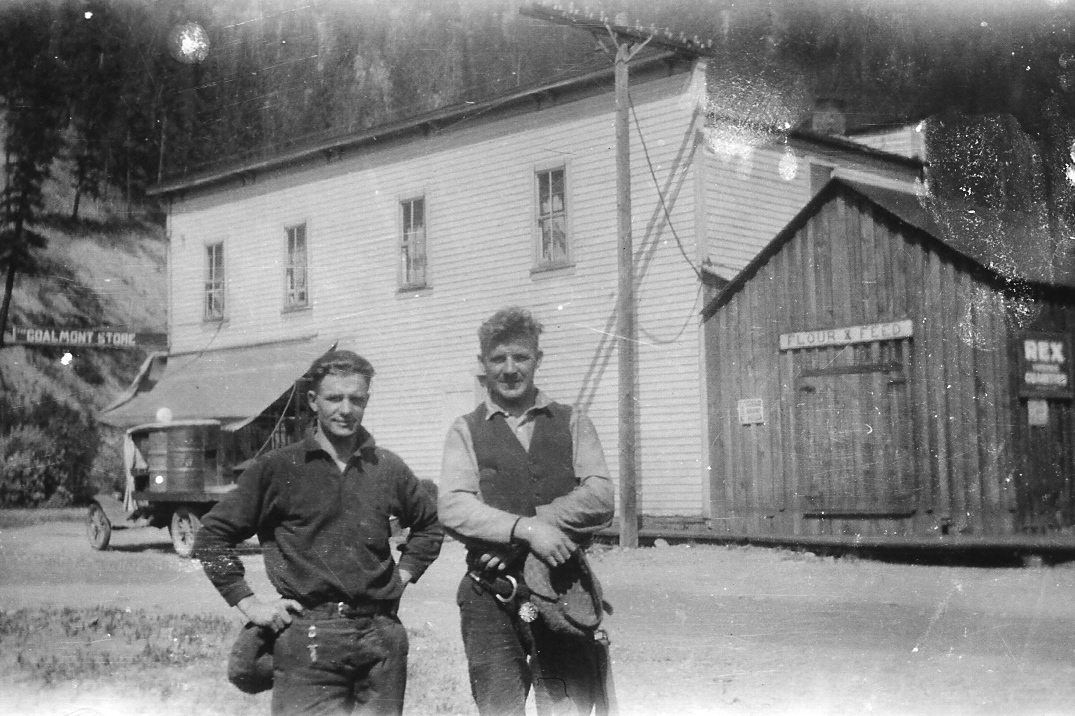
[1037, 412]
[751, 411]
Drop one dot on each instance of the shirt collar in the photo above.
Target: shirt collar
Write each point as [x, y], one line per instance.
[541, 403]
[365, 442]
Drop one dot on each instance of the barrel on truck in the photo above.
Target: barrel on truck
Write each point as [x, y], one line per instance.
[175, 472]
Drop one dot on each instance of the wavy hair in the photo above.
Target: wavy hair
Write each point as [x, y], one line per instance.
[513, 322]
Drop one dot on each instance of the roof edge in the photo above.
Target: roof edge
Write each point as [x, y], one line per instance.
[835, 185]
[771, 248]
[400, 127]
[845, 143]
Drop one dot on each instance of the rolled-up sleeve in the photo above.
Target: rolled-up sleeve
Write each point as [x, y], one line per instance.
[459, 502]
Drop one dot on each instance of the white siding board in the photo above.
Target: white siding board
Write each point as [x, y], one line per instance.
[867, 177]
[906, 141]
[478, 187]
[750, 199]
[749, 203]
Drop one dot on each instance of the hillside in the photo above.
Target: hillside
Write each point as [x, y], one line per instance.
[105, 270]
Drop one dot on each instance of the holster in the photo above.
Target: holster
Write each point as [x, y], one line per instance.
[605, 700]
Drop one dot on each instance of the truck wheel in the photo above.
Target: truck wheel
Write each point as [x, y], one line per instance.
[184, 527]
[98, 528]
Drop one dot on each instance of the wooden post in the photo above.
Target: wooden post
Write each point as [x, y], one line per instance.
[626, 334]
[627, 344]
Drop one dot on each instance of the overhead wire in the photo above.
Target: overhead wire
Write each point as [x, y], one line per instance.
[672, 228]
[660, 193]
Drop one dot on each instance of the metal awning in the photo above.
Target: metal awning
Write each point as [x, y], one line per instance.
[232, 385]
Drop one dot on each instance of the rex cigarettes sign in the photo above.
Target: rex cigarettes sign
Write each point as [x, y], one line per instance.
[847, 335]
[1044, 366]
[84, 338]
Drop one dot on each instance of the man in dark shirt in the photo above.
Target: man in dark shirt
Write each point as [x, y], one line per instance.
[321, 510]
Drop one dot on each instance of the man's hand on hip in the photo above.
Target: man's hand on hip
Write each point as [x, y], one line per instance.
[549, 543]
[275, 615]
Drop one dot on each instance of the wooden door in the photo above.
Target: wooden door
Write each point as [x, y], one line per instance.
[1045, 495]
[852, 440]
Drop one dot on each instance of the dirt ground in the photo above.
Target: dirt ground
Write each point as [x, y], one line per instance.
[696, 630]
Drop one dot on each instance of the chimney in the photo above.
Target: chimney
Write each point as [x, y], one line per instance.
[829, 116]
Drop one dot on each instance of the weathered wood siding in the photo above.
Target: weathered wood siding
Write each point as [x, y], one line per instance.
[1044, 479]
[477, 178]
[921, 435]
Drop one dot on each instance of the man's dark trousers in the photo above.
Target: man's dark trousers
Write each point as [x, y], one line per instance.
[340, 665]
[500, 676]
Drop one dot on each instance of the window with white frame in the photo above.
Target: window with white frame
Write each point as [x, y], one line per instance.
[553, 248]
[296, 285]
[412, 243]
[214, 282]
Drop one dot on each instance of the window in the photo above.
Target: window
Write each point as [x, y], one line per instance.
[296, 288]
[214, 282]
[412, 245]
[552, 218]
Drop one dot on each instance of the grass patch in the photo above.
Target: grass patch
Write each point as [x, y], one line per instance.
[436, 675]
[18, 517]
[49, 646]
[178, 662]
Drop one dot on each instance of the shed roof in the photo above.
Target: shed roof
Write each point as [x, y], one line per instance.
[1013, 246]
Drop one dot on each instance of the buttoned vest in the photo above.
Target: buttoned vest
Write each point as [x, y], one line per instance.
[516, 480]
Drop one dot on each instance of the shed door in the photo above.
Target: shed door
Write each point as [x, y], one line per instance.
[1046, 499]
[852, 440]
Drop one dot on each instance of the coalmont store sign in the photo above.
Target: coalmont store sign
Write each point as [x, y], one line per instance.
[85, 338]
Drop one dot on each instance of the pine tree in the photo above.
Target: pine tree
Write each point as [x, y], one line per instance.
[90, 48]
[34, 107]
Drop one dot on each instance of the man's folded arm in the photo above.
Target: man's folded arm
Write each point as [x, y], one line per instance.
[461, 510]
[591, 505]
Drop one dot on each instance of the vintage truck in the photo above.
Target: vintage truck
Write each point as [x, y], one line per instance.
[175, 471]
[191, 423]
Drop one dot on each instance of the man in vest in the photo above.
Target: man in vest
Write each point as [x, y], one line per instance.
[321, 510]
[523, 478]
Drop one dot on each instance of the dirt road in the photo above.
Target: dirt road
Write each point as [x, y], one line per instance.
[696, 629]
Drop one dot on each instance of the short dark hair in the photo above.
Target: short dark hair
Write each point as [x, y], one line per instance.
[337, 362]
[508, 324]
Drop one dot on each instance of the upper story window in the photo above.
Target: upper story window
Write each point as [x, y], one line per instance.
[412, 243]
[296, 285]
[553, 249]
[214, 282]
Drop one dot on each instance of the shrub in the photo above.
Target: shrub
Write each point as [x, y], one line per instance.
[47, 450]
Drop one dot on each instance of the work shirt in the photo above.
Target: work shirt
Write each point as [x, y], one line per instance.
[324, 533]
[586, 509]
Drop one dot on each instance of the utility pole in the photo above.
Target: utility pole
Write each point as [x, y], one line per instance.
[628, 42]
[626, 337]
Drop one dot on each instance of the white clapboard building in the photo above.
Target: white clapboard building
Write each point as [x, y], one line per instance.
[398, 241]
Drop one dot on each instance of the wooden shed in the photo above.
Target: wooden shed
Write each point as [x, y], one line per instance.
[892, 366]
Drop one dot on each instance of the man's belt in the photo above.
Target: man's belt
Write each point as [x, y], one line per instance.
[348, 610]
[506, 587]
[509, 590]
